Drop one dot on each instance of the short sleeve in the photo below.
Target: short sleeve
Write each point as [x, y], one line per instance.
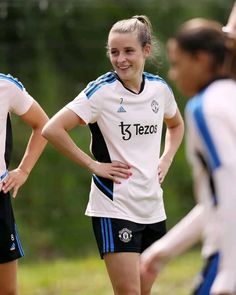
[170, 103]
[86, 108]
[20, 100]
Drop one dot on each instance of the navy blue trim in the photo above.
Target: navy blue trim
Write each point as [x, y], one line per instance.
[209, 274]
[101, 154]
[12, 79]
[9, 141]
[92, 87]
[210, 176]
[4, 175]
[18, 242]
[152, 77]
[196, 107]
[103, 236]
[112, 248]
[99, 182]
[107, 235]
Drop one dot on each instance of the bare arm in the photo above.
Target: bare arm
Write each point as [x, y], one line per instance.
[231, 24]
[36, 118]
[173, 139]
[56, 131]
[181, 237]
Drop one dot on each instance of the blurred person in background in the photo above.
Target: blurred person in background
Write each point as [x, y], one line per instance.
[203, 65]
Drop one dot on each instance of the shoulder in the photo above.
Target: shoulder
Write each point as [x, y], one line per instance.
[222, 86]
[105, 79]
[217, 98]
[155, 78]
[11, 81]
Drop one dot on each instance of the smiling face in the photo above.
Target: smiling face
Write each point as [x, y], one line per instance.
[128, 57]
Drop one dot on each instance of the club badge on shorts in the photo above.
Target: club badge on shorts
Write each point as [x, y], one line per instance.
[125, 235]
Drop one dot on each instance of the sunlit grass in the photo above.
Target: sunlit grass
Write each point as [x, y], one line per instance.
[88, 277]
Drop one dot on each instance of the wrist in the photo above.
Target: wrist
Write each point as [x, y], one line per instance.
[167, 159]
[90, 165]
[24, 171]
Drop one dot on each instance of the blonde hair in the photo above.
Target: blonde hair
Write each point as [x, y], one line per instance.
[141, 25]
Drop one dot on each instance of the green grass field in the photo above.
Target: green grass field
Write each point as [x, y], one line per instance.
[88, 277]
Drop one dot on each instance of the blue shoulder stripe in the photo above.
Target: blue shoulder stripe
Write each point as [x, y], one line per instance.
[195, 106]
[152, 77]
[93, 86]
[12, 79]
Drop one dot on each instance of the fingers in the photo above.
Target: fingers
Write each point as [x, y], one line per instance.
[116, 171]
[15, 191]
[120, 170]
[161, 175]
[8, 184]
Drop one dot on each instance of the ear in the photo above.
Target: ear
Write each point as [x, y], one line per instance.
[147, 49]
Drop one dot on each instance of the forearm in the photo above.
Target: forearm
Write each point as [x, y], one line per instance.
[34, 149]
[185, 233]
[181, 237]
[173, 139]
[231, 24]
[62, 141]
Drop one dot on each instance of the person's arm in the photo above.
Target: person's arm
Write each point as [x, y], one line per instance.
[173, 139]
[56, 131]
[231, 24]
[36, 118]
[180, 238]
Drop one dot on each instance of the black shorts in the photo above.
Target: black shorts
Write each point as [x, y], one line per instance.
[10, 246]
[118, 235]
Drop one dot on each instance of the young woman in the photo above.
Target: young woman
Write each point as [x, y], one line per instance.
[202, 59]
[125, 110]
[15, 99]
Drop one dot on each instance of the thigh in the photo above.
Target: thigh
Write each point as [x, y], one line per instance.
[123, 270]
[207, 276]
[152, 233]
[8, 277]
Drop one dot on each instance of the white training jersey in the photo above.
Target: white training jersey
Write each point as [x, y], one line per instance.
[13, 99]
[211, 142]
[126, 127]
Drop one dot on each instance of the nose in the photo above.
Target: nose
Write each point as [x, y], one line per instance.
[121, 57]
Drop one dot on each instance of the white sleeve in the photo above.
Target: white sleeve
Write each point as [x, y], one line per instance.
[170, 103]
[19, 99]
[86, 108]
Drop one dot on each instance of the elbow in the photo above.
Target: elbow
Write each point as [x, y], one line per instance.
[46, 131]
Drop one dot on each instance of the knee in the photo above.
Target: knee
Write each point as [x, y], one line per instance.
[127, 290]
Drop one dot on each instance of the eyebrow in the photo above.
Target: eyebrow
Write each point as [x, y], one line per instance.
[128, 47]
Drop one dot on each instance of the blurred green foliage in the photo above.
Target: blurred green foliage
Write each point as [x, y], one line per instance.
[55, 48]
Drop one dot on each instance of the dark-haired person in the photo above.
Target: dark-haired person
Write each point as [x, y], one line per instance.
[202, 64]
[125, 110]
[15, 99]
